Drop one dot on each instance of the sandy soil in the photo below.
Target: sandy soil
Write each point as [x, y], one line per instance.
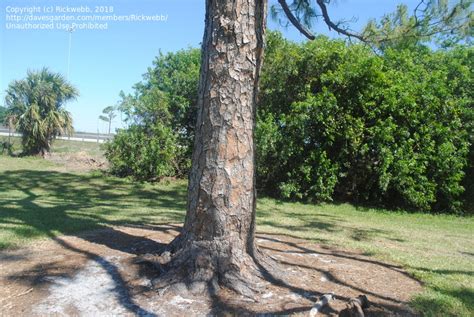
[78, 161]
[96, 274]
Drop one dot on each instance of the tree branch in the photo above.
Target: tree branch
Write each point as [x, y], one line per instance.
[334, 26]
[429, 19]
[295, 21]
[415, 12]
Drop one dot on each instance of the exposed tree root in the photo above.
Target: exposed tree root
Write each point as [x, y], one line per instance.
[205, 267]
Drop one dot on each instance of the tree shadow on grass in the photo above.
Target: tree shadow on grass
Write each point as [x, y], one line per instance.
[465, 295]
[305, 250]
[432, 305]
[322, 222]
[43, 203]
[49, 204]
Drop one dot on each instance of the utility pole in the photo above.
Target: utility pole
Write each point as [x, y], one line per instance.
[70, 30]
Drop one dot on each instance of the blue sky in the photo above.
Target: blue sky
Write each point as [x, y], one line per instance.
[103, 62]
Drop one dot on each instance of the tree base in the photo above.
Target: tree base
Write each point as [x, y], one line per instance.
[206, 267]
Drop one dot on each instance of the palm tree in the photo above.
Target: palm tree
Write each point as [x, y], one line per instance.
[36, 103]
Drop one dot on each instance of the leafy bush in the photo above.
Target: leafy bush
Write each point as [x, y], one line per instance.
[337, 121]
[143, 153]
[160, 117]
[334, 121]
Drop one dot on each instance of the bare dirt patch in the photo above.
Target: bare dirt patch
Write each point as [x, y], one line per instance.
[96, 274]
[78, 161]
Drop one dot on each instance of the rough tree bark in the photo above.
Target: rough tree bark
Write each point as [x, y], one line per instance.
[216, 246]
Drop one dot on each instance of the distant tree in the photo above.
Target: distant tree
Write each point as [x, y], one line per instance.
[3, 115]
[108, 114]
[36, 105]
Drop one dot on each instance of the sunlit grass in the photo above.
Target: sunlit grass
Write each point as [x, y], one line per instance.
[62, 146]
[39, 200]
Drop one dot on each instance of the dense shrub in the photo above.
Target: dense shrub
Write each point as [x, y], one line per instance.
[144, 153]
[337, 121]
[334, 121]
[160, 118]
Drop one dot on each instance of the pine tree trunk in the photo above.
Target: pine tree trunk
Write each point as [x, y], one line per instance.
[221, 193]
[217, 242]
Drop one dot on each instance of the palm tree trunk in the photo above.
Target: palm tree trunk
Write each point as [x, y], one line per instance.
[9, 134]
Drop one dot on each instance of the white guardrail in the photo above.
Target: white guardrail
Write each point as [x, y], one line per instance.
[75, 137]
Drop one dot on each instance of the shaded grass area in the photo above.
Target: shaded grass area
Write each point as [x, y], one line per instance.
[39, 200]
[438, 250]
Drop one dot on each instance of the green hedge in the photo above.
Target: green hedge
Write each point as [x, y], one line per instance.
[339, 122]
[334, 121]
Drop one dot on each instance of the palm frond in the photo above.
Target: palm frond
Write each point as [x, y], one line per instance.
[37, 104]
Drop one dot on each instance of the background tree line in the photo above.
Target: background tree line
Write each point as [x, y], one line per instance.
[334, 122]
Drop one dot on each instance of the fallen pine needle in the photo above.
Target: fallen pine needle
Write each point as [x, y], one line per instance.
[25, 292]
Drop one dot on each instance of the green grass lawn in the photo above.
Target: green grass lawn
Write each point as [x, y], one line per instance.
[90, 148]
[39, 200]
[62, 146]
